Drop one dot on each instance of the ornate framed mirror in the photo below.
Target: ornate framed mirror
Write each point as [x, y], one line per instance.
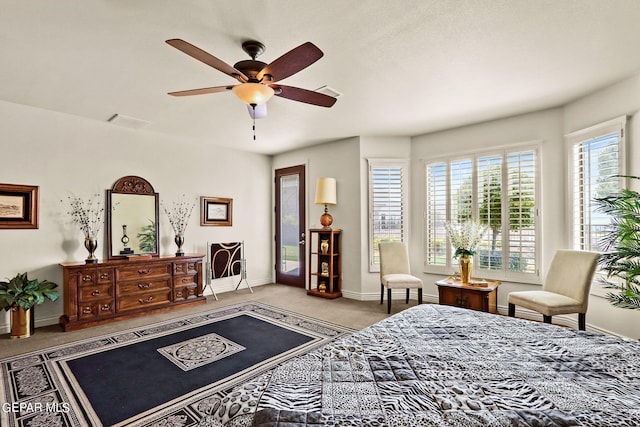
[132, 218]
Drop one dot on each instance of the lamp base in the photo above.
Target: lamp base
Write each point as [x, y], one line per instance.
[326, 220]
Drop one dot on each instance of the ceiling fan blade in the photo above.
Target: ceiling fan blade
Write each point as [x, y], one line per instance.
[304, 95]
[207, 58]
[201, 91]
[291, 62]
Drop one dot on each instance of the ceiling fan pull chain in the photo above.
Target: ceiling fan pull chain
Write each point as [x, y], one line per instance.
[254, 120]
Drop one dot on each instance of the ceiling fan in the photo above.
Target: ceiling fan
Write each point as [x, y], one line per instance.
[257, 80]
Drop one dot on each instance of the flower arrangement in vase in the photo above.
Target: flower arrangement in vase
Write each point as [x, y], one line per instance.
[88, 214]
[465, 238]
[179, 215]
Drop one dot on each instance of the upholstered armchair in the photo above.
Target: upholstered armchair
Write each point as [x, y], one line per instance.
[565, 290]
[395, 272]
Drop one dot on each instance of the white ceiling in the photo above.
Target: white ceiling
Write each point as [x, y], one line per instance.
[404, 67]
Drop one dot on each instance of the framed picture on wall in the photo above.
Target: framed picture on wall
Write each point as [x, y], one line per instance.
[18, 206]
[215, 211]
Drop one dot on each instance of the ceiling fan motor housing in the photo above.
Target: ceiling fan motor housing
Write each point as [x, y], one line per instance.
[250, 68]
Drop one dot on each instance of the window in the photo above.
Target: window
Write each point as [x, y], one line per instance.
[498, 189]
[596, 156]
[388, 189]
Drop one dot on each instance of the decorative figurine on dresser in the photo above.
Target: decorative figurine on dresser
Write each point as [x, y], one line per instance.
[130, 285]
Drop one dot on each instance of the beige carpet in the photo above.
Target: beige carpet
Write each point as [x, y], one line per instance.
[346, 312]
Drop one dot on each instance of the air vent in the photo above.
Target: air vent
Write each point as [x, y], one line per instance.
[127, 122]
[326, 90]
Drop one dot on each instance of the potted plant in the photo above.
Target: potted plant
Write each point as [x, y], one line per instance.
[621, 246]
[19, 295]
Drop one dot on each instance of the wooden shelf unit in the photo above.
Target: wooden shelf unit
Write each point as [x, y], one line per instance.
[325, 266]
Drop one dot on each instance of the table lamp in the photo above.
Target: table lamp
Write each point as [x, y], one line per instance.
[326, 195]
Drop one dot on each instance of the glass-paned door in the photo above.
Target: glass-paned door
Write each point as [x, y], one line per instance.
[290, 226]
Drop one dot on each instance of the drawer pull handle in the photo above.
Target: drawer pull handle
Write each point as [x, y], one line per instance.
[186, 280]
[106, 307]
[86, 278]
[147, 271]
[145, 301]
[143, 286]
[86, 310]
[104, 276]
[95, 293]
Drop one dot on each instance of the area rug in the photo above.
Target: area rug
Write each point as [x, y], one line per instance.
[173, 373]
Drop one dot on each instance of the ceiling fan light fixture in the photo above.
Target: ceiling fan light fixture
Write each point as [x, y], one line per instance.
[253, 93]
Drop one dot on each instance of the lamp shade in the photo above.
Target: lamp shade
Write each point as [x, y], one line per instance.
[253, 93]
[326, 191]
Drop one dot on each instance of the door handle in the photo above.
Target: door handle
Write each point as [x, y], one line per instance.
[301, 239]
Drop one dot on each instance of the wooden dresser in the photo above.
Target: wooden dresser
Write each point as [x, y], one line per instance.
[112, 290]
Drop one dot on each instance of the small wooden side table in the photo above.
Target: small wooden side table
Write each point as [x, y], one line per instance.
[481, 295]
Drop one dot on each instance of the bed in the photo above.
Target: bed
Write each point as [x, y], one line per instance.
[435, 365]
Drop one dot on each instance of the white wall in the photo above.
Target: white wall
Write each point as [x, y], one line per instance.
[617, 100]
[62, 153]
[338, 160]
[544, 126]
[550, 126]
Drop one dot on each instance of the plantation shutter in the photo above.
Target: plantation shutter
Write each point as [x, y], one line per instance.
[461, 190]
[521, 193]
[489, 200]
[388, 202]
[497, 188]
[596, 161]
[436, 214]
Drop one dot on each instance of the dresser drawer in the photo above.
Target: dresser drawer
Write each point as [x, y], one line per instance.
[143, 272]
[90, 292]
[95, 276]
[185, 292]
[143, 300]
[187, 267]
[97, 309]
[185, 280]
[142, 285]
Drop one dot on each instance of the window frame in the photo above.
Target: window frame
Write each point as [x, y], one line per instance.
[380, 163]
[584, 135]
[504, 151]
[619, 125]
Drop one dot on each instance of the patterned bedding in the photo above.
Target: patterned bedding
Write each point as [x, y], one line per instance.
[435, 365]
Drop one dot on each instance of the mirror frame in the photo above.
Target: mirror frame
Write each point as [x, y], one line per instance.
[131, 185]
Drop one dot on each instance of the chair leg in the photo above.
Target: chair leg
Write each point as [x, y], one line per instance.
[582, 321]
[388, 301]
[419, 295]
[546, 319]
[512, 310]
[381, 293]
[407, 298]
